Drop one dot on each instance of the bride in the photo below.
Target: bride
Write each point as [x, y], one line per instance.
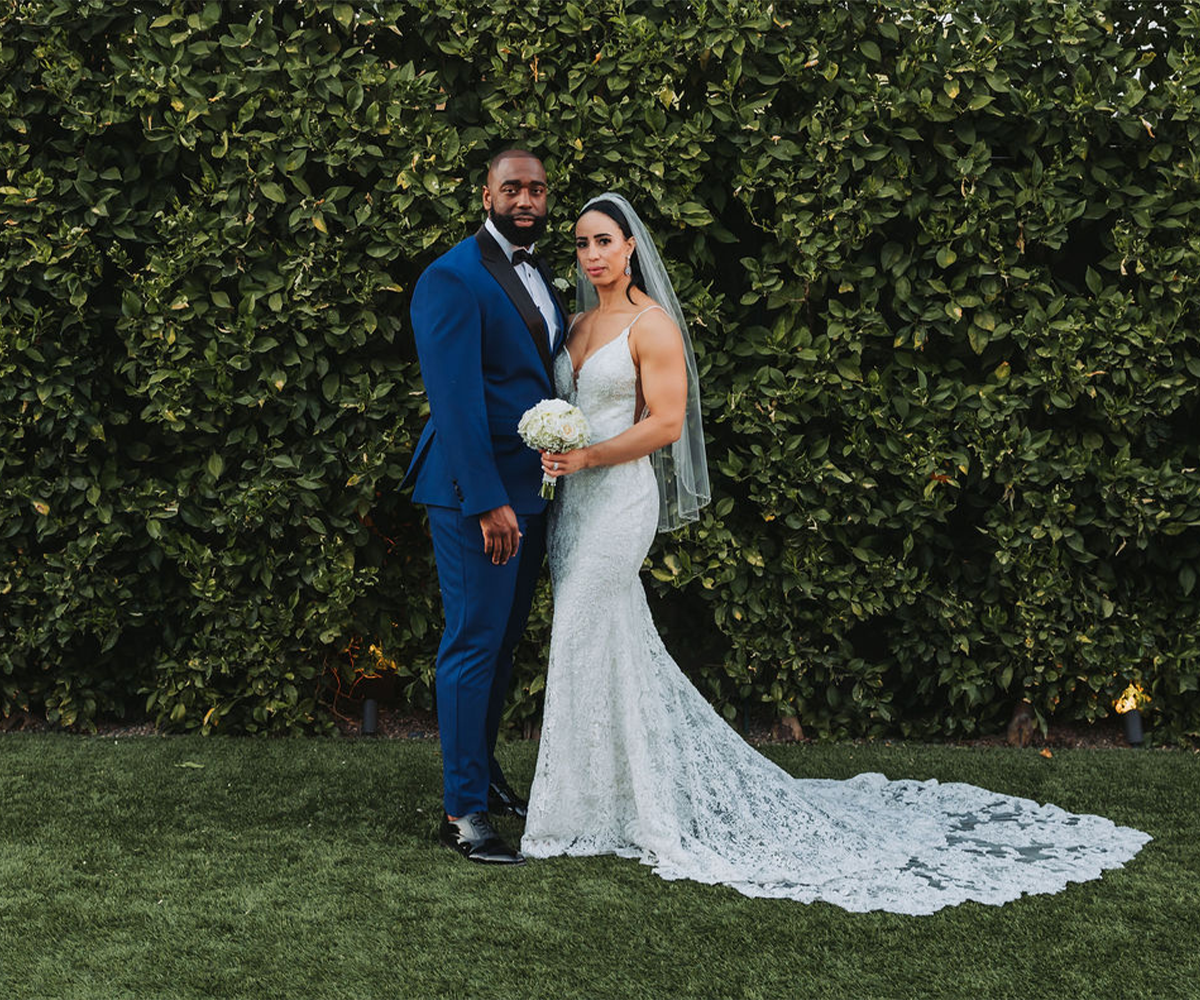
[633, 760]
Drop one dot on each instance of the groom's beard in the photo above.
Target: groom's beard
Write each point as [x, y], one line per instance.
[518, 236]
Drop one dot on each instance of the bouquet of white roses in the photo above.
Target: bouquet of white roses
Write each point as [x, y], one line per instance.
[554, 425]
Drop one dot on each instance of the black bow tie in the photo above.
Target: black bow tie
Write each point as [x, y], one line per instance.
[523, 256]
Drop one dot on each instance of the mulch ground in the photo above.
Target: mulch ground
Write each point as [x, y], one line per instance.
[1108, 733]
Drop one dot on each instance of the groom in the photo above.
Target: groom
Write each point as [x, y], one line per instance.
[487, 322]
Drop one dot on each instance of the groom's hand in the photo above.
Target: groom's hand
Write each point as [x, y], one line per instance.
[501, 534]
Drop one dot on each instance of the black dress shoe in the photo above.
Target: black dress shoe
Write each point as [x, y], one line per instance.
[503, 801]
[475, 839]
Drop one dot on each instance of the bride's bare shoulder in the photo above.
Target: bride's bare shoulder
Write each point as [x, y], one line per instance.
[654, 320]
[655, 332]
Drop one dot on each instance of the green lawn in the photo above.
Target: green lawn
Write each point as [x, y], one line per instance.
[190, 867]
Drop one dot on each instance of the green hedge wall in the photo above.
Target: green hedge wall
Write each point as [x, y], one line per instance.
[940, 261]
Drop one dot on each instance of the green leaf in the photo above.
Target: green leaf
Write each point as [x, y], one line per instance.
[695, 214]
[273, 191]
[849, 370]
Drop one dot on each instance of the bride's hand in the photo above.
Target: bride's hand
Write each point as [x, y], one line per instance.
[555, 465]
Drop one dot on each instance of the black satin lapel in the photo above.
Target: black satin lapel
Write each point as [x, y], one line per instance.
[498, 266]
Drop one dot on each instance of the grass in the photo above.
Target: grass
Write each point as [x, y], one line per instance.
[187, 867]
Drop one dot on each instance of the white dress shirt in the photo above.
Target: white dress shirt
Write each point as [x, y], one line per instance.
[532, 281]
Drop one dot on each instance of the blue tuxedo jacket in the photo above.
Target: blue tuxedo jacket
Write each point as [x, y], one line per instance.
[485, 359]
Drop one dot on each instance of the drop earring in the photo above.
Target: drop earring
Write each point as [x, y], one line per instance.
[627, 270]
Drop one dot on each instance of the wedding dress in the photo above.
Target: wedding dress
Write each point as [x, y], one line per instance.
[634, 762]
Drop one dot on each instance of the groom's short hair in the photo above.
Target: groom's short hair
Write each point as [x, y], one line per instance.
[509, 153]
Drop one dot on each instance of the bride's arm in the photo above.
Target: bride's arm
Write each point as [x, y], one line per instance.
[657, 351]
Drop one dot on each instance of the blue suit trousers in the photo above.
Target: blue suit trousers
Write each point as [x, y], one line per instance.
[486, 607]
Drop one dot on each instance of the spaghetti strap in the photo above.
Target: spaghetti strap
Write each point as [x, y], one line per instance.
[574, 320]
[641, 314]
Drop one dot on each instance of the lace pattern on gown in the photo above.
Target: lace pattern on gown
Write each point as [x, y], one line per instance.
[633, 760]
